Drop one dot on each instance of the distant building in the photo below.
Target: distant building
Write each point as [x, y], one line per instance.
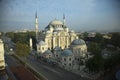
[2, 61]
[91, 34]
[106, 37]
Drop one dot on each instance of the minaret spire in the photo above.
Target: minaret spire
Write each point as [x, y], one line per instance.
[36, 25]
[63, 19]
[36, 14]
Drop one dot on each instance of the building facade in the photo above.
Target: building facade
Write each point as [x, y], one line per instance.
[72, 58]
[61, 45]
[56, 34]
[2, 61]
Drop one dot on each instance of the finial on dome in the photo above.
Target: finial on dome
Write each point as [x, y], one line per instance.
[63, 16]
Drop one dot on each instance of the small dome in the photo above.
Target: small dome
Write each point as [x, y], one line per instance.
[66, 52]
[72, 31]
[56, 22]
[42, 43]
[78, 42]
[48, 32]
[57, 48]
[55, 32]
[47, 52]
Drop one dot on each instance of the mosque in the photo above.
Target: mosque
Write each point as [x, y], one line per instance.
[60, 44]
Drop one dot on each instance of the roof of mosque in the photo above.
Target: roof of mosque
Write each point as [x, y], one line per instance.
[42, 43]
[56, 22]
[67, 52]
[47, 52]
[78, 42]
[57, 48]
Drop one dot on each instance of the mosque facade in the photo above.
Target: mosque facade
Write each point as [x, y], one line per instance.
[2, 61]
[55, 34]
[61, 45]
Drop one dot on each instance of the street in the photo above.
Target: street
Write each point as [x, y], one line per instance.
[52, 73]
[17, 71]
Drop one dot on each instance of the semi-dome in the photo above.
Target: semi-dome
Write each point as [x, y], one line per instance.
[57, 48]
[78, 42]
[48, 32]
[55, 32]
[56, 22]
[42, 43]
[66, 52]
[47, 52]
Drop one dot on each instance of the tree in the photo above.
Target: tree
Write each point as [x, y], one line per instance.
[34, 41]
[85, 34]
[21, 37]
[22, 49]
[98, 38]
[95, 63]
[112, 61]
[115, 39]
[94, 47]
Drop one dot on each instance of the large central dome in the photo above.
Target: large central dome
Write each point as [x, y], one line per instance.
[56, 22]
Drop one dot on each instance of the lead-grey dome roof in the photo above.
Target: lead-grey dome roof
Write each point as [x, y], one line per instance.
[67, 52]
[56, 22]
[42, 43]
[47, 52]
[78, 42]
[57, 48]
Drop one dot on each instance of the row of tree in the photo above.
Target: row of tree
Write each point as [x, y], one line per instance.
[22, 37]
[98, 63]
[22, 49]
[115, 38]
[22, 42]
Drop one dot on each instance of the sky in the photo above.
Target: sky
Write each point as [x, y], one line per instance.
[81, 15]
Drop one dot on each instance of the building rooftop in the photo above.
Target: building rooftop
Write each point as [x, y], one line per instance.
[78, 42]
[66, 53]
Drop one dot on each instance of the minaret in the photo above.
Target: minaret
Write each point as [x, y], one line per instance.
[64, 19]
[36, 26]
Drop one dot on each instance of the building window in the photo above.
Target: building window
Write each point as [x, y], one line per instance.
[69, 59]
[56, 55]
[64, 59]
[42, 48]
[75, 58]
[69, 64]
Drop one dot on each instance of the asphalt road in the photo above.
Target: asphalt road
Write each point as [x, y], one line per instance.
[52, 73]
[11, 62]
